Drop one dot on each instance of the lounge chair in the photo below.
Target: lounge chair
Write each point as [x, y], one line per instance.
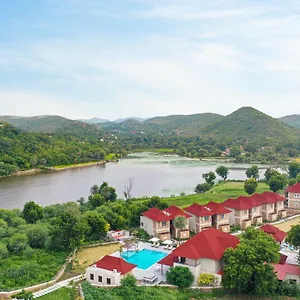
[153, 244]
[170, 247]
[150, 279]
[166, 247]
[157, 245]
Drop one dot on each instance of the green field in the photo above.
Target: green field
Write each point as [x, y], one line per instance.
[219, 193]
[61, 294]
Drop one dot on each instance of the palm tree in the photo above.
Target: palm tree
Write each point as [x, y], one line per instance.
[94, 189]
[180, 224]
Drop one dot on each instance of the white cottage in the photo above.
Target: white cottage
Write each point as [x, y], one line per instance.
[109, 270]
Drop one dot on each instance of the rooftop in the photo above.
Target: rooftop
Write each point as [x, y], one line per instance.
[111, 263]
[294, 188]
[242, 203]
[175, 211]
[157, 215]
[268, 197]
[277, 234]
[199, 210]
[283, 269]
[210, 243]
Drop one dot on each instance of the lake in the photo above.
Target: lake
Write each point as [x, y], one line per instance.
[153, 174]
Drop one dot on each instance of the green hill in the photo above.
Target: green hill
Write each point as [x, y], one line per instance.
[249, 124]
[188, 124]
[53, 125]
[292, 120]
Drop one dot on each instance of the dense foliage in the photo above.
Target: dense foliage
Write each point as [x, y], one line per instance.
[180, 276]
[22, 150]
[248, 267]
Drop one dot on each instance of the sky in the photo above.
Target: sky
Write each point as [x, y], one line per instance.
[144, 58]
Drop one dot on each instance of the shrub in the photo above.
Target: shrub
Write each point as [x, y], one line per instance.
[206, 279]
[3, 251]
[128, 281]
[141, 234]
[17, 243]
[202, 188]
[180, 276]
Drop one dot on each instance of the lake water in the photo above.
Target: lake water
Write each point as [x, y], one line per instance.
[153, 174]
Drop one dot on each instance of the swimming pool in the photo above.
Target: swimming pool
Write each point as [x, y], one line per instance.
[144, 258]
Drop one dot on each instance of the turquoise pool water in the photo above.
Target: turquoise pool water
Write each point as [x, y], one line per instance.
[144, 258]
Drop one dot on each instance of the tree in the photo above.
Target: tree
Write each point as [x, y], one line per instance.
[293, 238]
[17, 243]
[247, 268]
[277, 183]
[108, 193]
[180, 223]
[98, 227]
[32, 212]
[38, 235]
[202, 188]
[209, 177]
[294, 169]
[94, 189]
[128, 281]
[270, 173]
[250, 186]
[128, 188]
[298, 178]
[250, 148]
[253, 172]
[235, 151]
[180, 276]
[222, 171]
[3, 251]
[95, 200]
[291, 181]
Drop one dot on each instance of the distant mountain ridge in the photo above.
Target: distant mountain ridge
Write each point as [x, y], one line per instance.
[292, 120]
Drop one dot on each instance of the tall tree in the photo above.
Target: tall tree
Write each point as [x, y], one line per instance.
[32, 212]
[98, 227]
[253, 172]
[250, 186]
[277, 183]
[293, 238]
[128, 188]
[247, 268]
[209, 177]
[180, 223]
[294, 169]
[222, 171]
[270, 173]
[109, 193]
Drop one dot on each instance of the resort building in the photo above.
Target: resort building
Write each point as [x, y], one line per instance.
[286, 271]
[156, 223]
[275, 232]
[173, 212]
[202, 253]
[245, 211]
[272, 205]
[209, 215]
[293, 194]
[108, 271]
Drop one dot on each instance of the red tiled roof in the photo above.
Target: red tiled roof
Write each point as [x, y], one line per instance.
[114, 263]
[241, 203]
[277, 234]
[284, 269]
[199, 210]
[294, 188]
[175, 211]
[268, 197]
[157, 215]
[217, 208]
[210, 243]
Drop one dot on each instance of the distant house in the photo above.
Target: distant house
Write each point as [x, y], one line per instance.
[287, 271]
[108, 271]
[174, 211]
[272, 205]
[156, 223]
[245, 211]
[209, 215]
[294, 196]
[275, 232]
[202, 253]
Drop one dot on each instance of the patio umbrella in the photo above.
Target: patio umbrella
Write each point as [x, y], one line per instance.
[167, 242]
[154, 240]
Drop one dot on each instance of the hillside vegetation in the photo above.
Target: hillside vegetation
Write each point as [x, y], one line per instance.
[292, 120]
[249, 124]
[53, 124]
[21, 150]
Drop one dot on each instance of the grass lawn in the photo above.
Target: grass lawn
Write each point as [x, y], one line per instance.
[74, 165]
[286, 226]
[61, 294]
[88, 256]
[219, 193]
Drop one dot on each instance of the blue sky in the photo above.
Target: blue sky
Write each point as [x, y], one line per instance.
[118, 58]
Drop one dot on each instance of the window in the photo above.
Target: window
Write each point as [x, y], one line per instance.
[254, 209]
[92, 276]
[245, 212]
[163, 223]
[108, 281]
[296, 195]
[206, 218]
[222, 216]
[100, 278]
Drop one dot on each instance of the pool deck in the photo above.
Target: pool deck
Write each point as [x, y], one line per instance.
[139, 273]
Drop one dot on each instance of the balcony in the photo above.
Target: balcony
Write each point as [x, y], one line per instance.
[224, 227]
[163, 236]
[246, 223]
[272, 217]
[257, 220]
[282, 214]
